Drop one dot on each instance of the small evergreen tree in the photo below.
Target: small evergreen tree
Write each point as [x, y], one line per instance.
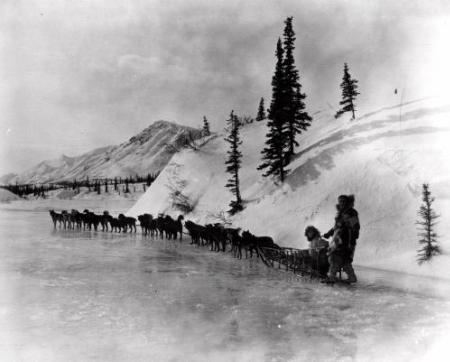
[349, 92]
[261, 112]
[277, 137]
[233, 162]
[206, 131]
[426, 224]
[115, 183]
[106, 185]
[127, 189]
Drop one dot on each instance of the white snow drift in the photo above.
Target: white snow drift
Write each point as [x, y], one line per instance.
[382, 158]
[7, 196]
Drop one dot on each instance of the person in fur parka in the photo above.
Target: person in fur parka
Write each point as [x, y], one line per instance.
[317, 251]
[345, 232]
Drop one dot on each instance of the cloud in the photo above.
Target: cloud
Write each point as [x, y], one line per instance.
[138, 64]
[107, 69]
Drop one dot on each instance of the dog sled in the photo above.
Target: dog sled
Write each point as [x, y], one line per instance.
[305, 262]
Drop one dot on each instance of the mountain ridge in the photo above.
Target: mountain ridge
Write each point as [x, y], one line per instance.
[149, 151]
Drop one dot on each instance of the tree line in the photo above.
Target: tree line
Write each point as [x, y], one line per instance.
[98, 185]
[40, 190]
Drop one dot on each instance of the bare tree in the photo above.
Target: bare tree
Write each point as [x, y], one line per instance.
[188, 140]
[176, 187]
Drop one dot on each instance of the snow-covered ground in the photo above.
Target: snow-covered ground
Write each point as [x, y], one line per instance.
[7, 196]
[136, 191]
[383, 158]
[61, 199]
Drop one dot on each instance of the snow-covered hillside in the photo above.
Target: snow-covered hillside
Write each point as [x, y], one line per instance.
[147, 152]
[7, 196]
[382, 158]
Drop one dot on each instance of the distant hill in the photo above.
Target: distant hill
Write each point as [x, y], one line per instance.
[6, 179]
[147, 152]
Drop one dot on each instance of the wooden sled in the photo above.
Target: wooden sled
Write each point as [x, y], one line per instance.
[302, 261]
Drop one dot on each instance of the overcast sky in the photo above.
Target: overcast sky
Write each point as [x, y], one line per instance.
[79, 74]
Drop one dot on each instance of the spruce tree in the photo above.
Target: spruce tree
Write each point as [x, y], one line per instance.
[297, 119]
[206, 131]
[349, 92]
[277, 138]
[427, 223]
[233, 163]
[261, 112]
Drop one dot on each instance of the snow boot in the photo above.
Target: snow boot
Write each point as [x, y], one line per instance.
[328, 280]
[351, 276]
[351, 280]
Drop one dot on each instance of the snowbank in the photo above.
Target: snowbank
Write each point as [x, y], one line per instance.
[59, 200]
[382, 158]
[7, 196]
[136, 191]
[66, 199]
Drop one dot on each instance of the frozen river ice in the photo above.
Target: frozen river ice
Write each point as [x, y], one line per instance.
[75, 296]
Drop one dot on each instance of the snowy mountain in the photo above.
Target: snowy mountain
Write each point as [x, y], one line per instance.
[147, 152]
[6, 179]
[382, 157]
